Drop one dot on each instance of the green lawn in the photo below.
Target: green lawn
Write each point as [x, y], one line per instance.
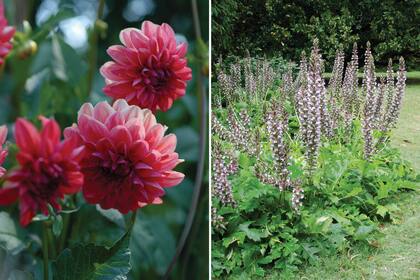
[398, 256]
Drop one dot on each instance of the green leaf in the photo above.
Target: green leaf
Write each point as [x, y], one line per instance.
[362, 232]
[113, 215]
[251, 233]
[20, 275]
[7, 262]
[381, 210]
[57, 225]
[92, 262]
[10, 234]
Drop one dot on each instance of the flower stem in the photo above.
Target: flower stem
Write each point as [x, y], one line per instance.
[45, 248]
[132, 221]
[93, 51]
[202, 100]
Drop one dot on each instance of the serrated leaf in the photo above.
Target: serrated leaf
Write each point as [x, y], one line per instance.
[92, 262]
[381, 210]
[251, 233]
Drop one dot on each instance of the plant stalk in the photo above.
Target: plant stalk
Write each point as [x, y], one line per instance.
[93, 51]
[202, 148]
[132, 221]
[45, 249]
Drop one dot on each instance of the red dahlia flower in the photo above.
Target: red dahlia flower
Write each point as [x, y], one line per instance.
[150, 70]
[128, 160]
[3, 153]
[49, 169]
[6, 34]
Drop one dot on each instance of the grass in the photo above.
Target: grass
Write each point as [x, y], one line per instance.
[407, 134]
[398, 256]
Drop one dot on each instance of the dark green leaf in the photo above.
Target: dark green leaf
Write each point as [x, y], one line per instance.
[92, 262]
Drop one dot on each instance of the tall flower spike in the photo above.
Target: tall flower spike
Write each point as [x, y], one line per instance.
[356, 100]
[312, 103]
[48, 169]
[150, 70]
[370, 102]
[276, 122]
[297, 196]
[390, 89]
[6, 34]
[394, 110]
[380, 89]
[3, 152]
[129, 161]
[222, 188]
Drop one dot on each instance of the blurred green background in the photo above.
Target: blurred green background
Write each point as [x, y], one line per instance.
[62, 73]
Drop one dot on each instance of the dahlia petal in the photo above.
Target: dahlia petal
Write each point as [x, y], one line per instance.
[149, 28]
[138, 39]
[182, 49]
[125, 37]
[2, 171]
[74, 183]
[123, 55]
[91, 129]
[118, 90]
[27, 137]
[73, 133]
[3, 134]
[154, 135]
[167, 144]
[172, 178]
[120, 105]
[138, 151]
[8, 195]
[121, 138]
[50, 135]
[102, 111]
[115, 119]
[86, 109]
[26, 217]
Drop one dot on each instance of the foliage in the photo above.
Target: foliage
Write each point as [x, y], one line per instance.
[346, 196]
[46, 74]
[285, 28]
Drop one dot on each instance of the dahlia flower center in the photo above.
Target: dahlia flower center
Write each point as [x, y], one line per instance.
[116, 165]
[46, 179]
[155, 79]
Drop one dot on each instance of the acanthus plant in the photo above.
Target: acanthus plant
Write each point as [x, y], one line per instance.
[117, 155]
[325, 168]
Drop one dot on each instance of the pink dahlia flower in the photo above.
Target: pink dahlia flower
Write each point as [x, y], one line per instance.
[128, 160]
[3, 153]
[6, 34]
[49, 169]
[150, 70]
